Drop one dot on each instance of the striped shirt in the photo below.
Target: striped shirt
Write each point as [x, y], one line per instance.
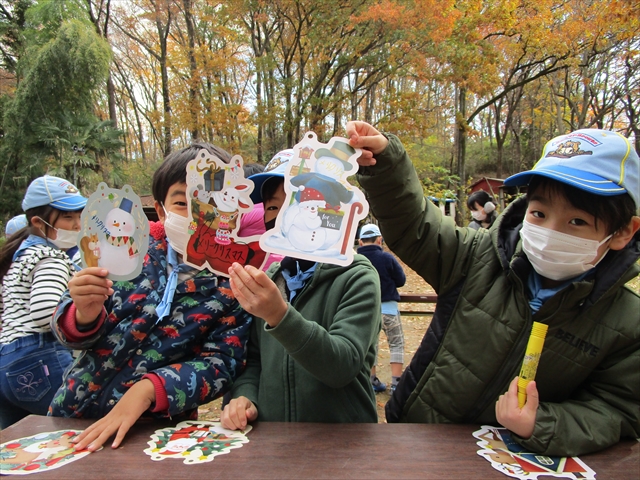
[31, 290]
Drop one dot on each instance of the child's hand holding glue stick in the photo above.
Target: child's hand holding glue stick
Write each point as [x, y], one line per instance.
[531, 360]
[516, 409]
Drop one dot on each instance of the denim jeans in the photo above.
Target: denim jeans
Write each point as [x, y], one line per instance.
[31, 371]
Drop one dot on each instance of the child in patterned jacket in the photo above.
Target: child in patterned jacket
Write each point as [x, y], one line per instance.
[167, 341]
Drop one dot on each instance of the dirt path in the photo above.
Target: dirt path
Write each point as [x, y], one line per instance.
[414, 329]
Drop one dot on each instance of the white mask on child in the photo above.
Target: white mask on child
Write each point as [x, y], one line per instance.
[478, 215]
[177, 229]
[558, 256]
[65, 239]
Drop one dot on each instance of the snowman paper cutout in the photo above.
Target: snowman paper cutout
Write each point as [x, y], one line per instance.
[321, 209]
[217, 197]
[115, 232]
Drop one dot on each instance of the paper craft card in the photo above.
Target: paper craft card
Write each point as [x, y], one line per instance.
[38, 453]
[195, 441]
[217, 197]
[510, 458]
[115, 232]
[319, 218]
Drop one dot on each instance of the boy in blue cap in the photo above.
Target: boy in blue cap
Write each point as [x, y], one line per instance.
[561, 255]
[392, 277]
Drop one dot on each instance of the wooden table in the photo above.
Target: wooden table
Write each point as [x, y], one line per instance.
[307, 450]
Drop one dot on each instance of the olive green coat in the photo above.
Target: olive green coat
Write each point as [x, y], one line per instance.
[314, 366]
[589, 373]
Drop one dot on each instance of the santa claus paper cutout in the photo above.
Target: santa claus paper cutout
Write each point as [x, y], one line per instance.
[322, 209]
[115, 232]
[510, 458]
[217, 197]
[38, 453]
[195, 441]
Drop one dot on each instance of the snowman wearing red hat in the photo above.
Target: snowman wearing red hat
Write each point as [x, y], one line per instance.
[302, 224]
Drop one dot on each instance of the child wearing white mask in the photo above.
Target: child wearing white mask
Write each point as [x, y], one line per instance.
[159, 345]
[482, 208]
[559, 256]
[34, 270]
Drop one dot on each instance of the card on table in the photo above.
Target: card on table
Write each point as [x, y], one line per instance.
[510, 458]
[195, 441]
[38, 453]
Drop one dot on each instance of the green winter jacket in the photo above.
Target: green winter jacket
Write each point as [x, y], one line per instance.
[589, 373]
[315, 365]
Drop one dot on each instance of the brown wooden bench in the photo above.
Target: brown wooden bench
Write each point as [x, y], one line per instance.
[424, 302]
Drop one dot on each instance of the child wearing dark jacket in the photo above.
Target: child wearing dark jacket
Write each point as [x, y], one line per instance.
[392, 277]
[561, 256]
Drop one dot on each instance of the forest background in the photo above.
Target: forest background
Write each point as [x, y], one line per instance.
[102, 90]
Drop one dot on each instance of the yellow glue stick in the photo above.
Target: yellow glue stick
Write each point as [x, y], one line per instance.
[531, 359]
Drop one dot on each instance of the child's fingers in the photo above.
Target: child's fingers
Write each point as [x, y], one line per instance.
[122, 431]
[92, 271]
[252, 413]
[230, 418]
[513, 387]
[533, 399]
[85, 438]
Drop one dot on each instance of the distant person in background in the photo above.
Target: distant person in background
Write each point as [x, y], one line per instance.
[16, 224]
[35, 270]
[392, 277]
[483, 210]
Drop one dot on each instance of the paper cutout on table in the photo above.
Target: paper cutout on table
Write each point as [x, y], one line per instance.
[115, 232]
[195, 441]
[322, 209]
[217, 197]
[510, 458]
[38, 453]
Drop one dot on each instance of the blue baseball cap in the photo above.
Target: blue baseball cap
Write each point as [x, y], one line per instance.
[53, 191]
[596, 161]
[16, 223]
[276, 167]
[369, 231]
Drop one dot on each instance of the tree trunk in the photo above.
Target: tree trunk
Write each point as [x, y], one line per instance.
[193, 69]
[260, 110]
[461, 151]
[163, 33]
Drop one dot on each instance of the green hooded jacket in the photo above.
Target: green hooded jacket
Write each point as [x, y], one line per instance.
[314, 366]
[588, 377]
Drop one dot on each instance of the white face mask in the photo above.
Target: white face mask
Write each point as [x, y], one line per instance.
[65, 239]
[558, 256]
[478, 215]
[177, 229]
